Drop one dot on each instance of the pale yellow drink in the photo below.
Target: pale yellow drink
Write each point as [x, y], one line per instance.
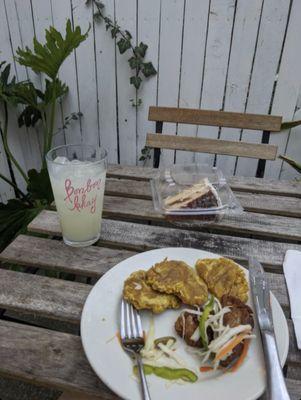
[78, 188]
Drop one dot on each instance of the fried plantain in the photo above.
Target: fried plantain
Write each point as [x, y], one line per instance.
[176, 277]
[223, 276]
[141, 295]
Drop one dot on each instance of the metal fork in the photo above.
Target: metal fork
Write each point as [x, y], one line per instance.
[132, 340]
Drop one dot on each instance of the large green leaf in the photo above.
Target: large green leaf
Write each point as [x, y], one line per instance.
[9, 86]
[29, 116]
[37, 101]
[14, 218]
[49, 57]
[39, 186]
[54, 89]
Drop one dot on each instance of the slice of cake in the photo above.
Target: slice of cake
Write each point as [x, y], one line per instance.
[199, 195]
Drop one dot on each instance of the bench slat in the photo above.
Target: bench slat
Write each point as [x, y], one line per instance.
[256, 202]
[33, 251]
[215, 118]
[55, 255]
[211, 146]
[48, 358]
[40, 295]
[238, 183]
[56, 359]
[247, 223]
[145, 237]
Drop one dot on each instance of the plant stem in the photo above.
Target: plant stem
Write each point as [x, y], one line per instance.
[13, 185]
[6, 146]
[52, 117]
[45, 127]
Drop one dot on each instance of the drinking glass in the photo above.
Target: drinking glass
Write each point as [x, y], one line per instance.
[77, 174]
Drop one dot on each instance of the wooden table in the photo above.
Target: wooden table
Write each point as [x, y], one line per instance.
[270, 225]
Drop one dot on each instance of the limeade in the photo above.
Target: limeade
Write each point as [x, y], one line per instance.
[78, 188]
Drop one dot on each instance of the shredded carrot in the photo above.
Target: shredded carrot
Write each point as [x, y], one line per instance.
[242, 356]
[230, 346]
[206, 368]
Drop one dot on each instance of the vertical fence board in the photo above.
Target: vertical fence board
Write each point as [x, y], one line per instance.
[270, 39]
[6, 191]
[221, 16]
[293, 148]
[106, 81]
[169, 63]
[19, 16]
[226, 57]
[16, 139]
[288, 87]
[42, 20]
[148, 32]
[87, 88]
[194, 43]
[126, 17]
[61, 11]
[240, 65]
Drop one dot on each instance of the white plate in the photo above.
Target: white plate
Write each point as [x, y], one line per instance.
[100, 322]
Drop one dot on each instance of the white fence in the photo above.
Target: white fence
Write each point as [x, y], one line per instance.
[236, 55]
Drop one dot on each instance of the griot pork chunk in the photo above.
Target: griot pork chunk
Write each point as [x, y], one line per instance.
[185, 327]
[240, 314]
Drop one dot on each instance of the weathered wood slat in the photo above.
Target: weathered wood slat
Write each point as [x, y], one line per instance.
[294, 389]
[57, 360]
[40, 295]
[245, 184]
[145, 237]
[211, 146]
[294, 372]
[77, 396]
[256, 202]
[215, 118]
[63, 300]
[55, 255]
[49, 358]
[294, 355]
[247, 223]
[30, 250]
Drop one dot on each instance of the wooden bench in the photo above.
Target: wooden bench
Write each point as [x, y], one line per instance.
[54, 357]
[256, 122]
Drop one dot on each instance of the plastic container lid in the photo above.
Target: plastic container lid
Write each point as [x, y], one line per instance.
[193, 191]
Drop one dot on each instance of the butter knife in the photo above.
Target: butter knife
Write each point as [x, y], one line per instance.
[276, 388]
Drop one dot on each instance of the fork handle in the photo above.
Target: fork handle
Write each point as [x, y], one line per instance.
[145, 392]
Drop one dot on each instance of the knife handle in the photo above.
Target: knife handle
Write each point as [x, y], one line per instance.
[276, 388]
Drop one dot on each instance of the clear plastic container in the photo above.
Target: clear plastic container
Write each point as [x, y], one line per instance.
[193, 191]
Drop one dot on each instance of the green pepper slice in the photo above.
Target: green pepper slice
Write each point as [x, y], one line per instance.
[168, 373]
[207, 310]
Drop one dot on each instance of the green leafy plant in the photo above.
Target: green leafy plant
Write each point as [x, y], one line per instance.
[47, 59]
[145, 154]
[9, 97]
[38, 105]
[142, 69]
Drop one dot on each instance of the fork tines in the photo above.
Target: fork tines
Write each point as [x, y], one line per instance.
[130, 325]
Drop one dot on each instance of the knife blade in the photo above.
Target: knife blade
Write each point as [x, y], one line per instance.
[276, 388]
[261, 295]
